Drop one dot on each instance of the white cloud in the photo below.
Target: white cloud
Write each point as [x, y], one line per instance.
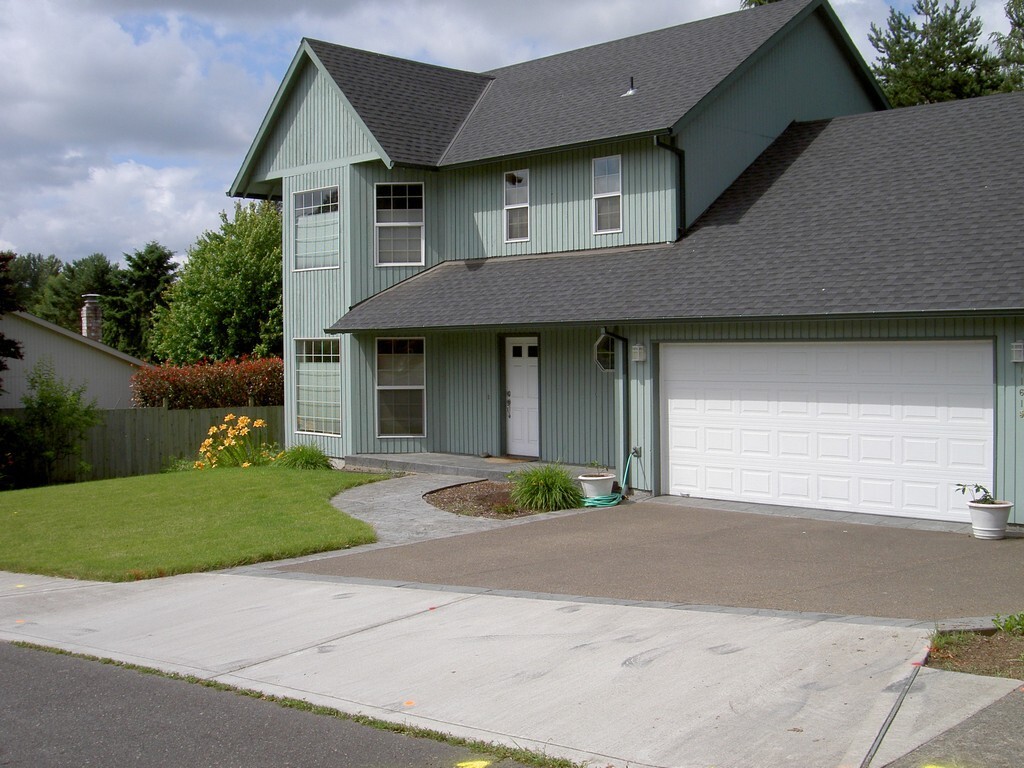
[125, 120]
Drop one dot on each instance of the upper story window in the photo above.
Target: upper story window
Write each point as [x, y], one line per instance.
[608, 194]
[317, 228]
[398, 221]
[517, 206]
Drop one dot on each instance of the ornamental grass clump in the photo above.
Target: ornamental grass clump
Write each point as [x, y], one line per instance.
[545, 489]
[236, 442]
[304, 456]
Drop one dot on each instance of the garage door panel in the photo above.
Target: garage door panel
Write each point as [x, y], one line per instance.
[866, 426]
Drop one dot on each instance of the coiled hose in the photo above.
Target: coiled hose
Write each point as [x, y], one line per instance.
[612, 498]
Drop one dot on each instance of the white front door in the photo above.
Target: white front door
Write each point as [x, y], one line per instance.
[522, 396]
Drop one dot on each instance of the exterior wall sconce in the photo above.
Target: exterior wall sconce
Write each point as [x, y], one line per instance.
[638, 353]
[1017, 351]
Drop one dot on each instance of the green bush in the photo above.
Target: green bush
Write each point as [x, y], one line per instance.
[49, 430]
[545, 489]
[304, 457]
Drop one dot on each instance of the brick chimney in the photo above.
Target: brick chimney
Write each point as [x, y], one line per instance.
[92, 317]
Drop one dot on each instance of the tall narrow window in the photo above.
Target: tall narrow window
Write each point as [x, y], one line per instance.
[608, 194]
[317, 228]
[401, 388]
[318, 386]
[517, 206]
[398, 223]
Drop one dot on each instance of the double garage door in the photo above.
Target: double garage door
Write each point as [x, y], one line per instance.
[876, 427]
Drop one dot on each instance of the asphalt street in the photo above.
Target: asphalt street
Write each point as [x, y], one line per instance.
[60, 711]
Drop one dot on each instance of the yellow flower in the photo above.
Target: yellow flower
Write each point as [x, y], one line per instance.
[245, 464]
[213, 430]
[229, 417]
[259, 423]
[243, 432]
[222, 427]
[199, 465]
[243, 420]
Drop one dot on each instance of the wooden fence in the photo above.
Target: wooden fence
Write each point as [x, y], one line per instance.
[142, 441]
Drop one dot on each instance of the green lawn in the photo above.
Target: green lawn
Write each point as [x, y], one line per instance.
[179, 522]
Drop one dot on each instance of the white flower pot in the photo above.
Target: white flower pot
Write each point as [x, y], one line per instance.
[988, 521]
[597, 484]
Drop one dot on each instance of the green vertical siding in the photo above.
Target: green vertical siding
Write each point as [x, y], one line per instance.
[315, 127]
[464, 216]
[465, 397]
[313, 300]
[805, 77]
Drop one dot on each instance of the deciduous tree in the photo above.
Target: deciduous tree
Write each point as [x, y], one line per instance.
[227, 301]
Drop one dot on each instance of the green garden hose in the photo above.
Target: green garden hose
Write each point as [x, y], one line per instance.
[612, 498]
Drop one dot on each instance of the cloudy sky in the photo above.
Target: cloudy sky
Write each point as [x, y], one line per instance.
[124, 121]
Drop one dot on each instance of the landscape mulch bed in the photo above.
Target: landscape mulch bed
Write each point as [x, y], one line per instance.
[486, 498]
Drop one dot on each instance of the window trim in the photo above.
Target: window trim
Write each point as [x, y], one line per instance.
[377, 388]
[294, 229]
[377, 226]
[595, 196]
[525, 173]
[295, 351]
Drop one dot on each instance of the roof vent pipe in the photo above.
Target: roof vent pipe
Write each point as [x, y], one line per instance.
[631, 90]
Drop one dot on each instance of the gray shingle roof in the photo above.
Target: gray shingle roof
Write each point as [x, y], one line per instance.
[576, 97]
[413, 109]
[910, 210]
[427, 115]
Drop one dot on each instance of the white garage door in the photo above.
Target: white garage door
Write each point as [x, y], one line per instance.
[877, 427]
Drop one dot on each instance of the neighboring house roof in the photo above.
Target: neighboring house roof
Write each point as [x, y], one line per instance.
[909, 210]
[77, 337]
[424, 115]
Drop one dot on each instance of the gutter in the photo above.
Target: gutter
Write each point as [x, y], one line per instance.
[680, 182]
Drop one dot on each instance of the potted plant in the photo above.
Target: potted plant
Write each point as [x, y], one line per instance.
[598, 482]
[988, 514]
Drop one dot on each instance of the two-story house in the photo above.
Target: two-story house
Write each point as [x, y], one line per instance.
[713, 243]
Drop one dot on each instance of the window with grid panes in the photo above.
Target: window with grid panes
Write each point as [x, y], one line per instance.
[398, 224]
[318, 386]
[607, 194]
[317, 228]
[401, 388]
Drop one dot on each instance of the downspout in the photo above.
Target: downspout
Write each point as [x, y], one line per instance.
[625, 398]
[680, 182]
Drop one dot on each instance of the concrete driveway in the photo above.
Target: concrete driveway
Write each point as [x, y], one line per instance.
[673, 551]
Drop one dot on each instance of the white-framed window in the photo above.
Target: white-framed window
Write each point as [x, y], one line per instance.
[401, 387]
[517, 206]
[608, 194]
[317, 228]
[318, 386]
[398, 222]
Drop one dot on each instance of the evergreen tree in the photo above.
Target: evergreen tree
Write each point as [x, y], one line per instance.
[1010, 47]
[9, 348]
[30, 273]
[938, 59]
[227, 301]
[61, 300]
[140, 289]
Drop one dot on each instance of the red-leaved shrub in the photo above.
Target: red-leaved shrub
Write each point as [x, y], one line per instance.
[231, 384]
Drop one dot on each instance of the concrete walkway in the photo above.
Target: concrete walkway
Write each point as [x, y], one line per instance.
[605, 682]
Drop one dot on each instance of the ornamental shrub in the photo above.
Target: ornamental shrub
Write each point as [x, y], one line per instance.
[545, 489]
[229, 384]
[304, 456]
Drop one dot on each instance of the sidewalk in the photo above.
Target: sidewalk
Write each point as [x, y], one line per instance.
[605, 682]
